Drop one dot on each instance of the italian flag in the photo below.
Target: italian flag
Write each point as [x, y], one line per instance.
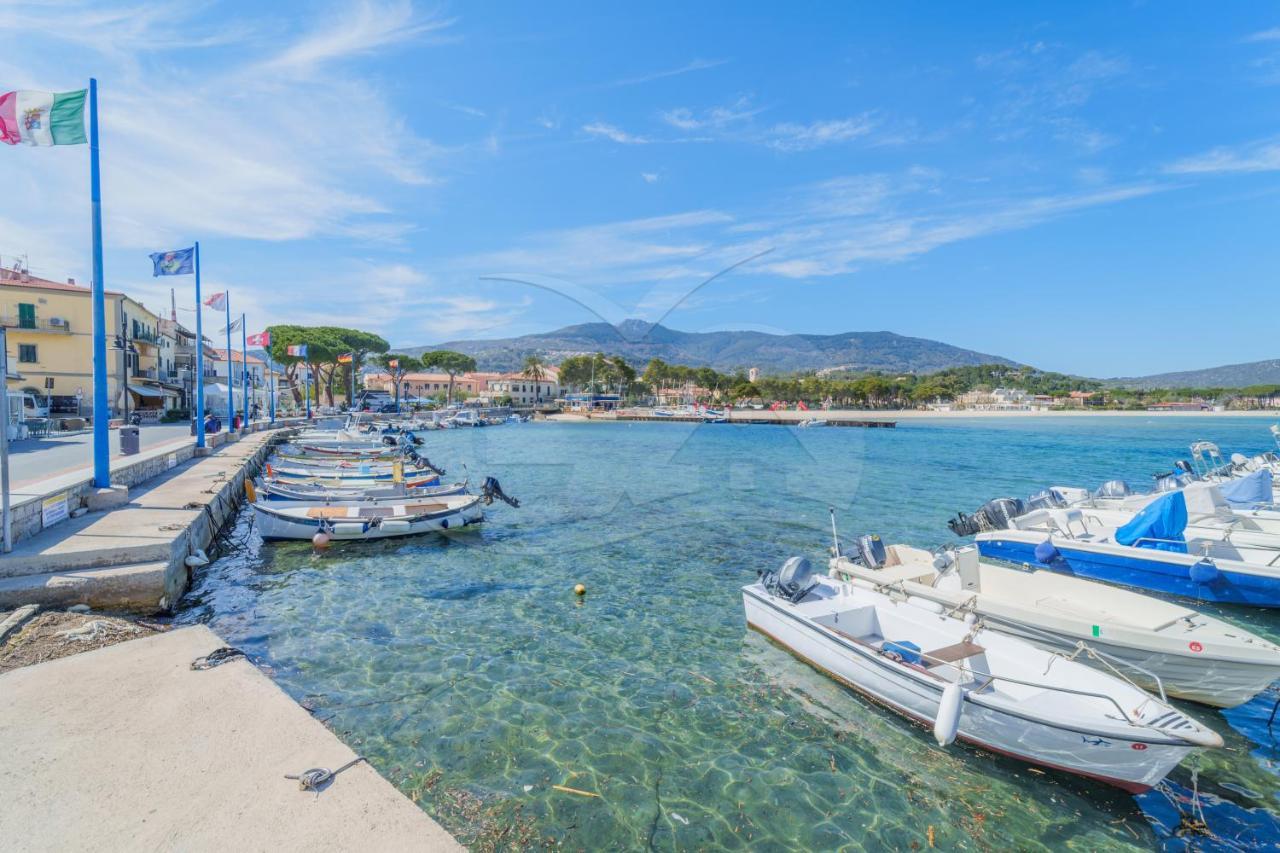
[42, 118]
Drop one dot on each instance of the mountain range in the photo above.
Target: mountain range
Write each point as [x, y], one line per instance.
[639, 341]
[1226, 376]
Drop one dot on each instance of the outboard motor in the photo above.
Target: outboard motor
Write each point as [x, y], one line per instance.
[1183, 468]
[1045, 499]
[792, 581]
[492, 490]
[997, 514]
[871, 551]
[389, 441]
[1113, 489]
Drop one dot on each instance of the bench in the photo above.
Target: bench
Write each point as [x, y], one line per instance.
[951, 654]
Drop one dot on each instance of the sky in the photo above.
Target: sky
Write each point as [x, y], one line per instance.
[1089, 188]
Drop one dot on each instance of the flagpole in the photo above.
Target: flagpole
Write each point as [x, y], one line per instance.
[199, 357]
[308, 387]
[271, 385]
[244, 365]
[231, 368]
[101, 417]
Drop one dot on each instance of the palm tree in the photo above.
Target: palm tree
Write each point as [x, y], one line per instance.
[535, 371]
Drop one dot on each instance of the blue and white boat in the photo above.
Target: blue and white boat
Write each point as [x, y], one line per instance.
[1153, 550]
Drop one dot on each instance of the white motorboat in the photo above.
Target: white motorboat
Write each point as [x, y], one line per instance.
[366, 520]
[1161, 645]
[809, 423]
[974, 684]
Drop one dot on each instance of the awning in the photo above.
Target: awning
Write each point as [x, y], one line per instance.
[145, 391]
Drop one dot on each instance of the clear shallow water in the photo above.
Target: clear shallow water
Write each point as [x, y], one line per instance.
[471, 677]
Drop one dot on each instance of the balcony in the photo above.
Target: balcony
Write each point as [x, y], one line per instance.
[53, 325]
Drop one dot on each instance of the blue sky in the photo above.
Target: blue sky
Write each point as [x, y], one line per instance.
[1090, 189]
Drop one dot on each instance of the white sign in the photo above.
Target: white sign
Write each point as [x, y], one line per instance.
[173, 460]
[54, 509]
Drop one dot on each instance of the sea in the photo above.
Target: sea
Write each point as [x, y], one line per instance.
[644, 714]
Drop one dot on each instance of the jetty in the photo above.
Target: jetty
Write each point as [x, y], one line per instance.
[130, 550]
[127, 747]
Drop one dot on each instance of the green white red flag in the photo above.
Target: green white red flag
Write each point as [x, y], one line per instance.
[42, 118]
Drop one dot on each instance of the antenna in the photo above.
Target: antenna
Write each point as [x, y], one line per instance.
[835, 535]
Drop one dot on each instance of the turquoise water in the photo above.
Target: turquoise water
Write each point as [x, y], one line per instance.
[470, 675]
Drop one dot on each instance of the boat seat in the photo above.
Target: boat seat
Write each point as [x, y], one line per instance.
[951, 654]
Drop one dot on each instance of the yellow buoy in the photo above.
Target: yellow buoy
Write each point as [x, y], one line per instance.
[579, 590]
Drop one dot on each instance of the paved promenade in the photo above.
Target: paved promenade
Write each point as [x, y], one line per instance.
[128, 748]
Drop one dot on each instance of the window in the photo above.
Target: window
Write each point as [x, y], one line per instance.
[27, 353]
[26, 317]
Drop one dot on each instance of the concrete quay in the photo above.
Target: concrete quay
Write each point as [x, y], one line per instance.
[128, 748]
[133, 557]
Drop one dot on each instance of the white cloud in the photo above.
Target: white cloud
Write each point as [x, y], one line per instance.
[1272, 34]
[356, 29]
[614, 133]
[1256, 157]
[805, 137]
[649, 177]
[694, 65]
[714, 118]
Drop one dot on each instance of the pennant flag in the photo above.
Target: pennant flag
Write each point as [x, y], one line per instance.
[177, 262]
[217, 302]
[345, 358]
[298, 350]
[262, 339]
[393, 363]
[42, 118]
[234, 327]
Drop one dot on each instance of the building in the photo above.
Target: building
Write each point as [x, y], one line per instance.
[215, 387]
[50, 330]
[523, 391]
[753, 374]
[424, 385]
[997, 400]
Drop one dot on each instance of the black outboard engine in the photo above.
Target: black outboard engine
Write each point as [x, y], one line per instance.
[997, 514]
[492, 490]
[1184, 466]
[1045, 499]
[871, 552]
[389, 441]
[1113, 489]
[792, 581]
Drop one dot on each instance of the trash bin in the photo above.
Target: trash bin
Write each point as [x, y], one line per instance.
[128, 440]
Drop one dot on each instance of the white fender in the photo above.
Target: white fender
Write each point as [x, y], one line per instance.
[197, 559]
[947, 722]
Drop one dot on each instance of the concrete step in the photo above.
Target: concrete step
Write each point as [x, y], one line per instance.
[137, 587]
[113, 538]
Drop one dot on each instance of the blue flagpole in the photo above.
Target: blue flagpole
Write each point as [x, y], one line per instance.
[199, 357]
[101, 416]
[308, 387]
[271, 384]
[244, 366]
[231, 371]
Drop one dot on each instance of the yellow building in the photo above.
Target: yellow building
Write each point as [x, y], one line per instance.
[50, 337]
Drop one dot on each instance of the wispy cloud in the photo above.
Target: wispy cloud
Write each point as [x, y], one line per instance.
[614, 133]
[806, 137]
[1272, 34]
[356, 29]
[694, 65]
[649, 177]
[1254, 157]
[718, 117]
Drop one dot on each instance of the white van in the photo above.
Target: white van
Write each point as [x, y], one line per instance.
[33, 407]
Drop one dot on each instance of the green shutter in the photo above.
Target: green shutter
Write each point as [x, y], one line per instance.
[26, 316]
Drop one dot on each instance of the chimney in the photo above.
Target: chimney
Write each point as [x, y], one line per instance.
[70, 280]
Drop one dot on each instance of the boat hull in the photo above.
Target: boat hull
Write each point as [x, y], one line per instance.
[275, 526]
[1159, 571]
[1134, 765]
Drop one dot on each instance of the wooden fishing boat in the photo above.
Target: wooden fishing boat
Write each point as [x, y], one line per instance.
[347, 520]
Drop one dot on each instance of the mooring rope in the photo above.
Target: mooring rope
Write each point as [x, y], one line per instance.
[217, 657]
[311, 780]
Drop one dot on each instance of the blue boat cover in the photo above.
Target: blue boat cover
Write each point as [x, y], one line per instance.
[1249, 490]
[1163, 519]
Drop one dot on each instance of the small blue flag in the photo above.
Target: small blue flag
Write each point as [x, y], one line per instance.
[177, 262]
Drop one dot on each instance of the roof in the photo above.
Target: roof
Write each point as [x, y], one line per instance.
[9, 278]
[237, 358]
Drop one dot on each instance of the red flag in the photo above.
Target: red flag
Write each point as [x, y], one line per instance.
[262, 339]
[217, 302]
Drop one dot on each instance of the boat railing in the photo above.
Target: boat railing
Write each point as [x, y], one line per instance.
[990, 677]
